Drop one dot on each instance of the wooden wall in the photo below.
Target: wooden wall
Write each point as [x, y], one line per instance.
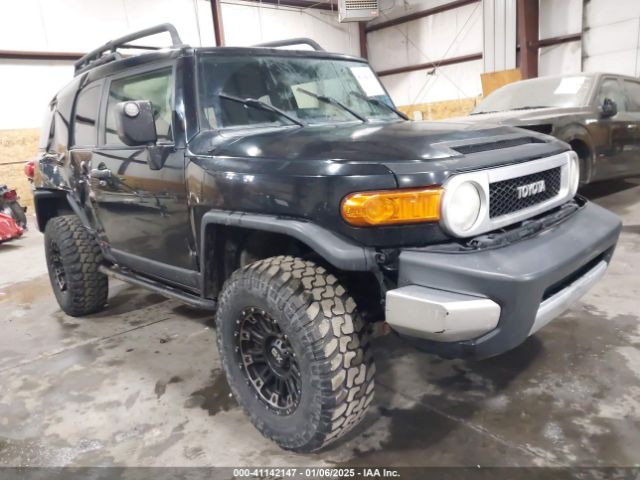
[440, 110]
[16, 147]
[492, 81]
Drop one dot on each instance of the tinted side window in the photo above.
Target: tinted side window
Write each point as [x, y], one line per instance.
[632, 89]
[157, 87]
[610, 88]
[85, 116]
[46, 132]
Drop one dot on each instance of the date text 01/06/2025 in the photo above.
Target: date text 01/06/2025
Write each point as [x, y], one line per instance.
[317, 472]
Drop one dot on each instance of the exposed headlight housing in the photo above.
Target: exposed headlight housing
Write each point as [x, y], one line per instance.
[461, 207]
[574, 173]
[392, 207]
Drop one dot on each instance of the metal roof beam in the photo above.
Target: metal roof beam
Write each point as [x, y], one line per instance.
[415, 16]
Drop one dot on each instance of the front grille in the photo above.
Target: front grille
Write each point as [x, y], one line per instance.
[503, 195]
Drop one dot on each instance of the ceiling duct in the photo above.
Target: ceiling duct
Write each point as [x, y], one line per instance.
[358, 10]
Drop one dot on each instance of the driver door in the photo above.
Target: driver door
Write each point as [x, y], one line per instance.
[632, 92]
[615, 144]
[142, 212]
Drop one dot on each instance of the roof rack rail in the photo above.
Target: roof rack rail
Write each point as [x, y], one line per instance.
[294, 41]
[97, 57]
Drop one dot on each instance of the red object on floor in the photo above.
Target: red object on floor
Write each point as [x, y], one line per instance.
[8, 228]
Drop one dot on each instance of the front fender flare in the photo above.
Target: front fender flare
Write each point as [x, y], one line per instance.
[338, 251]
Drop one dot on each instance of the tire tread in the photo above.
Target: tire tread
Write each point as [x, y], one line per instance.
[336, 341]
[81, 258]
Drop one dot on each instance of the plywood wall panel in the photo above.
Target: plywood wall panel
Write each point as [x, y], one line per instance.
[441, 110]
[16, 147]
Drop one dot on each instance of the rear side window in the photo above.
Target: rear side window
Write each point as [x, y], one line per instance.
[46, 132]
[156, 87]
[632, 89]
[85, 116]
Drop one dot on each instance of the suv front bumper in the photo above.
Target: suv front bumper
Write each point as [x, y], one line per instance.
[482, 303]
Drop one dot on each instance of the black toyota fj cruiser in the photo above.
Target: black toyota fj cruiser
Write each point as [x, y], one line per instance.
[281, 189]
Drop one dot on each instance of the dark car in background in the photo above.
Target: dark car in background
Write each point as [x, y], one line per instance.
[598, 114]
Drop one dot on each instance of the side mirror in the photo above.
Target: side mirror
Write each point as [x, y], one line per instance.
[135, 123]
[608, 109]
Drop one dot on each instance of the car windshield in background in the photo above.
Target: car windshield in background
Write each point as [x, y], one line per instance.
[539, 93]
[299, 91]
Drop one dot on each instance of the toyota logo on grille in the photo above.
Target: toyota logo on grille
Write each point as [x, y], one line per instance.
[534, 188]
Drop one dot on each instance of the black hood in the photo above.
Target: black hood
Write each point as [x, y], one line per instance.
[415, 152]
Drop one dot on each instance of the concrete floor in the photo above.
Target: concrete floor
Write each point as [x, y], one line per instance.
[140, 384]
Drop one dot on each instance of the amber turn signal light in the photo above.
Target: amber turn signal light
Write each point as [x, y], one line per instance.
[391, 207]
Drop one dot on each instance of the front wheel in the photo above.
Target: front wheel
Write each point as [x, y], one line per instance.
[295, 351]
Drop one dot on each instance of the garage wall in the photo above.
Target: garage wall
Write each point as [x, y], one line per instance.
[76, 26]
[245, 24]
[499, 36]
[453, 82]
[560, 18]
[449, 34]
[431, 37]
[612, 36]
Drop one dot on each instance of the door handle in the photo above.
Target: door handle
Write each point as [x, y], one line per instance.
[101, 173]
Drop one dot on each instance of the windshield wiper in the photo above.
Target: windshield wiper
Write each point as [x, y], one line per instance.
[260, 105]
[333, 101]
[375, 101]
[533, 107]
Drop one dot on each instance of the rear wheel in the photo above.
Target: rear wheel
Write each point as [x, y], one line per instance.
[73, 258]
[295, 351]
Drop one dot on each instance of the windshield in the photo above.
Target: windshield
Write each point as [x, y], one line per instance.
[539, 93]
[302, 91]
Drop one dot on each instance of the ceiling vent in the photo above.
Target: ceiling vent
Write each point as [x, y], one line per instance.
[357, 10]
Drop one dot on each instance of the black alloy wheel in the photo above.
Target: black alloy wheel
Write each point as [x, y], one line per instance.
[55, 266]
[269, 361]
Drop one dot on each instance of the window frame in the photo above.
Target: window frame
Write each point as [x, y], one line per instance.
[99, 84]
[134, 72]
[628, 96]
[47, 129]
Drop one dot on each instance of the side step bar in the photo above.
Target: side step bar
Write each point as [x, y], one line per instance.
[170, 292]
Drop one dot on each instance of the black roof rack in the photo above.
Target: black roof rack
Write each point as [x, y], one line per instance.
[294, 41]
[97, 57]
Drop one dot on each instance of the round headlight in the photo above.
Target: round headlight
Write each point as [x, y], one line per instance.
[462, 207]
[574, 174]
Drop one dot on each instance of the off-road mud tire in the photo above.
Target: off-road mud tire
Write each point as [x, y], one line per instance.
[329, 339]
[79, 256]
